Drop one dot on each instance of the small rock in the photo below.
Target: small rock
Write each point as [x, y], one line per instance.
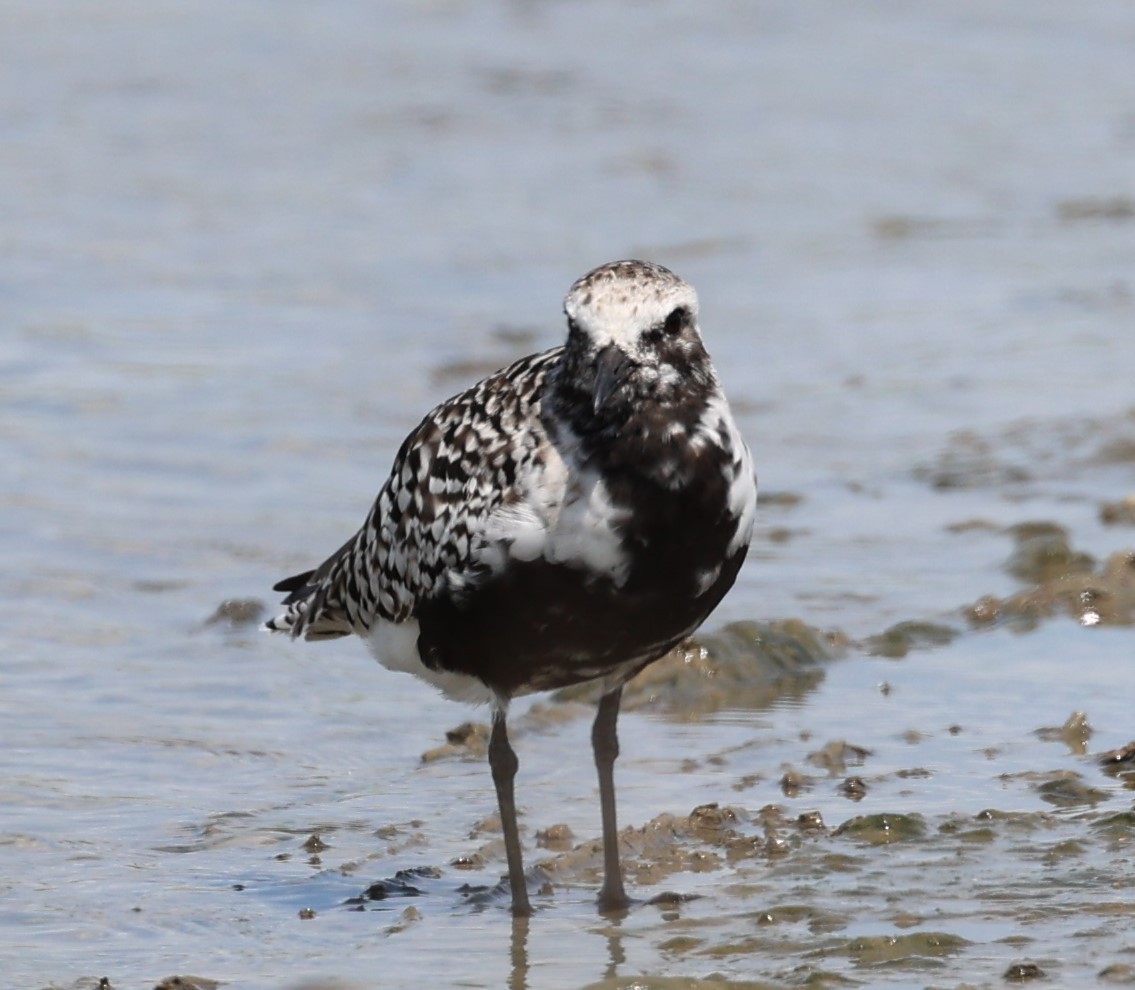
[1066, 789]
[901, 638]
[1120, 513]
[235, 612]
[314, 844]
[1045, 555]
[555, 837]
[1117, 207]
[881, 830]
[1118, 762]
[187, 983]
[793, 782]
[810, 821]
[1074, 733]
[837, 755]
[468, 740]
[1118, 973]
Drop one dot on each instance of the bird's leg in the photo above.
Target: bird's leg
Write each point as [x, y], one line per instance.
[605, 742]
[503, 764]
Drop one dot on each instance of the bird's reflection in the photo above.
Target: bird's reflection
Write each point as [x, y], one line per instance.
[518, 947]
[616, 955]
[518, 973]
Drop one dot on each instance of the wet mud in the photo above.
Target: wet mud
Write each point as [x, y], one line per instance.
[247, 249]
[727, 882]
[806, 886]
[793, 892]
[745, 665]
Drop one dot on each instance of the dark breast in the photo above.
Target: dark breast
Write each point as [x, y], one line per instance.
[536, 626]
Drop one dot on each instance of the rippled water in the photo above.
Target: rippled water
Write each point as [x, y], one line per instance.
[244, 247]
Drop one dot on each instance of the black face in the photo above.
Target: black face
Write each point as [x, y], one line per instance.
[634, 370]
[674, 348]
[664, 363]
[641, 389]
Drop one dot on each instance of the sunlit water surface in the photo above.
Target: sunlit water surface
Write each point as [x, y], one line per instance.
[245, 247]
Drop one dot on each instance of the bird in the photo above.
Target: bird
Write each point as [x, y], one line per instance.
[567, 520]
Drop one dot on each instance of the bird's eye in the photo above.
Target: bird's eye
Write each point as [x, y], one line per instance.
[676, 320]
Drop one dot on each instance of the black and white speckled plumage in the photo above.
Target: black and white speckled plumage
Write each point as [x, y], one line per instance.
[523, 473]
[425, 532]
[570, 518]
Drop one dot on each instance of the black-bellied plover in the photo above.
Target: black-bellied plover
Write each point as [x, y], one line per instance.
[569, 519]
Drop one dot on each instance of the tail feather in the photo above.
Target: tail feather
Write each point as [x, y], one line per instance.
[296, 584]
[281, 623]
[331, 623]
[309, 614]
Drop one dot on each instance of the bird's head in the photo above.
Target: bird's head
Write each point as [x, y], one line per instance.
[633, 338]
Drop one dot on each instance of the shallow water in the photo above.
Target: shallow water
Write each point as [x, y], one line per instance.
[244, 248]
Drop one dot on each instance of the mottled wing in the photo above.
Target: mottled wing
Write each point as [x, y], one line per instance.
[426, 529]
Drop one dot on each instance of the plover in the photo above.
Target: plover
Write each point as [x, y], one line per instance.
[569, 519]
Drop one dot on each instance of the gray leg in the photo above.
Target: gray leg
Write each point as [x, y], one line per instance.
[605, 742]
[503, 763]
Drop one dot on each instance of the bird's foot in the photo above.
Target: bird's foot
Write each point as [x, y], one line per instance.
[614, 901]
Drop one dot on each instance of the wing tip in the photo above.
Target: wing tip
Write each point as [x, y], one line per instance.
[293, 583]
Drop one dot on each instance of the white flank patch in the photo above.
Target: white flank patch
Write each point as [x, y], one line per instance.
[562, 520]
[742, 481]
[586, 532]
[743, 499]
[520, 528]
[395, 646]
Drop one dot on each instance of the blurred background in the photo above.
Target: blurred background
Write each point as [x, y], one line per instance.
[244, 247]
